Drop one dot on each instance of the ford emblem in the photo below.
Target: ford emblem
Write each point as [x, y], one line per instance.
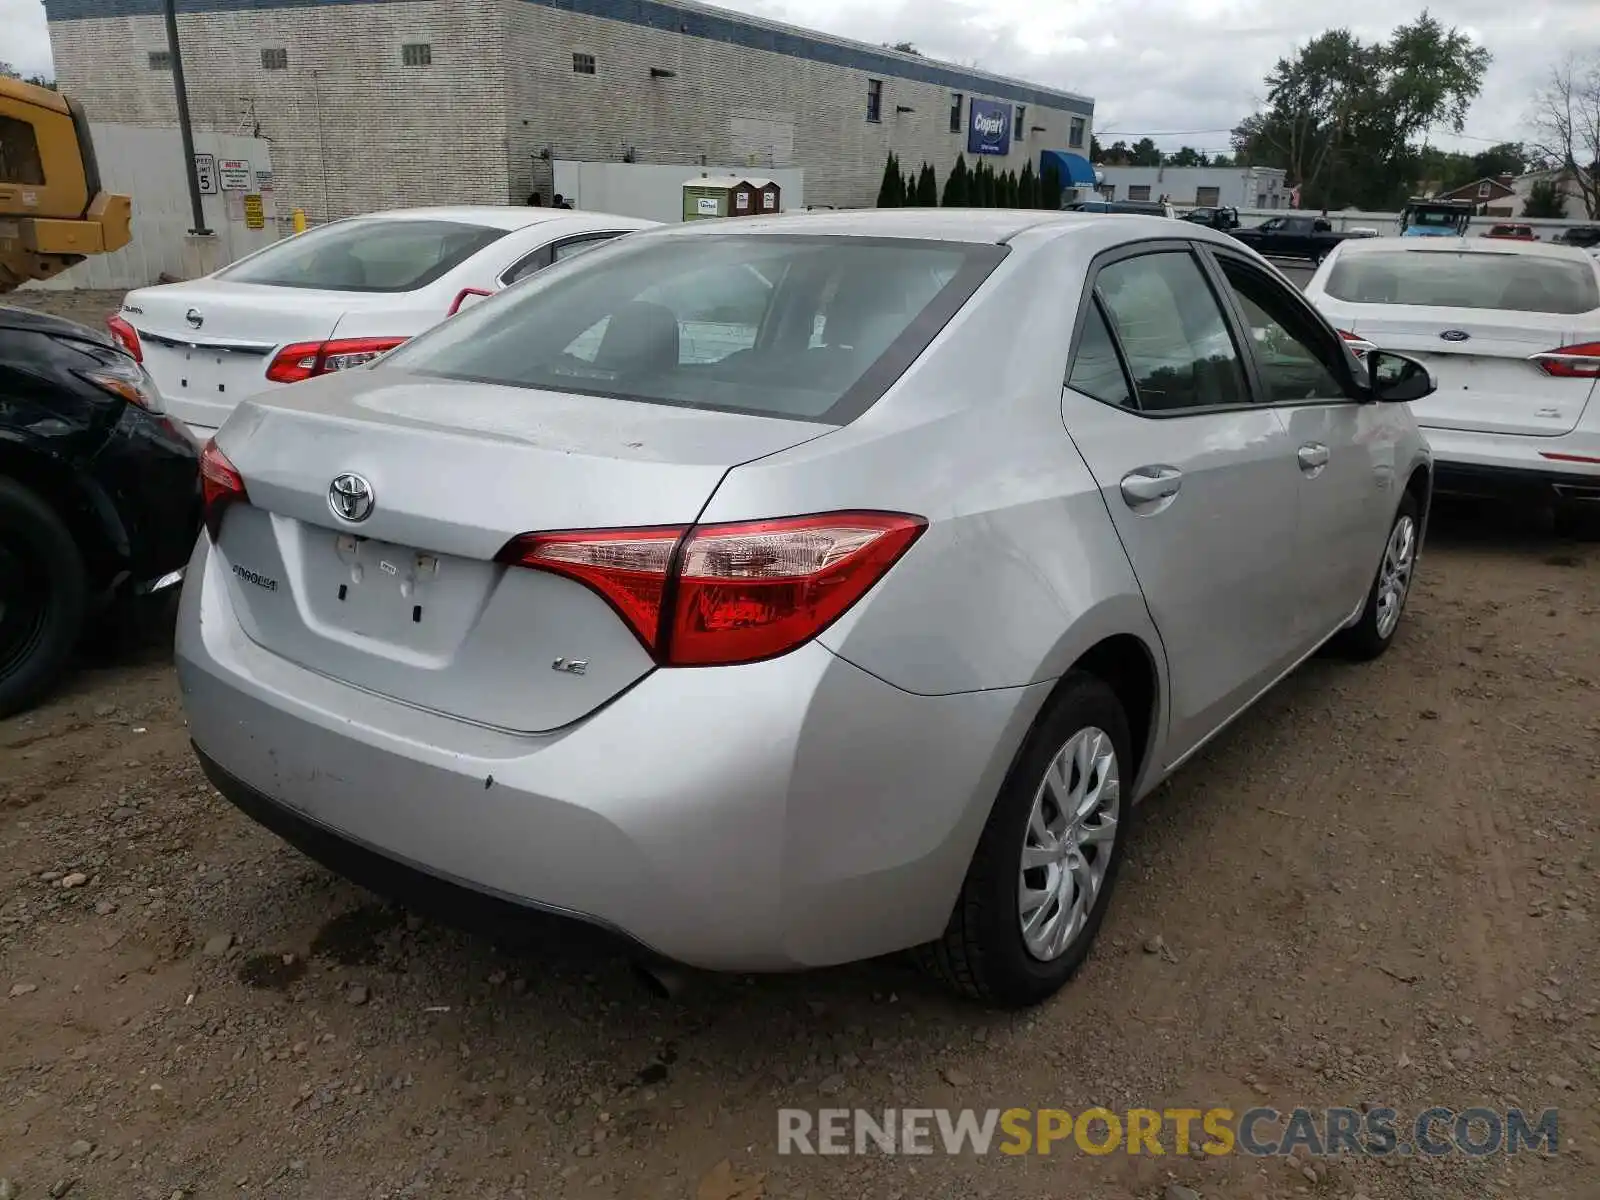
[1455, 335]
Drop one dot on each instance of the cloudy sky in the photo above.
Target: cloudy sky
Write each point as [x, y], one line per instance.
[1157, 67]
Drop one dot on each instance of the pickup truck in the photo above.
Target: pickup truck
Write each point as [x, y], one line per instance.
[1292, 237]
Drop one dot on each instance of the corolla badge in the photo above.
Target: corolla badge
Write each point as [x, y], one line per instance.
[1455, 335]
[194, 318]
[350, 497]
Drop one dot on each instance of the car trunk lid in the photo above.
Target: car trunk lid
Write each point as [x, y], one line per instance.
[1488, 382]
[207, 344]
[410, 602]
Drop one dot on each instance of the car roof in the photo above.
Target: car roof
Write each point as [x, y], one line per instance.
[1458, 246]
[996, 225]
[506, 216]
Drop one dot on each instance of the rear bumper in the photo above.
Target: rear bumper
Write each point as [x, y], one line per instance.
[1517, 468]
[791, 813]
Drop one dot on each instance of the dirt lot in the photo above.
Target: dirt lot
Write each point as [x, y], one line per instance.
[1379, 886]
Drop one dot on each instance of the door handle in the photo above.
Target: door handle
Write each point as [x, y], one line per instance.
[1146, 485]
[1313, 456]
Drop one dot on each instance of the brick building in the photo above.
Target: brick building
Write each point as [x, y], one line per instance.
[377, 103]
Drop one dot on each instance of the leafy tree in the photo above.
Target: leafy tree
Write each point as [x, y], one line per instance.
[1222, 160]
[1567, 117]
[983, 189]
[927, 188]
[908, 191]
[1095, 153]
[1028, 184]
[889, 191]
[1344, 117]
[956, 184]
[1145, 153]
[1504, 158]
[1117, 155]
[1187, 156]
[905, 48]
[1545, 199]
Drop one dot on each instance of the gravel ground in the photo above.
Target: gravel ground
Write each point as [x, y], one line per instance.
[1379, 886]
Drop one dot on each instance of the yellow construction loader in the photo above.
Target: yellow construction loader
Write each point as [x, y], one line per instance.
[53, 212]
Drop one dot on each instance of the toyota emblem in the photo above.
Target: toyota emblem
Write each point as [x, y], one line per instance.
[350, 497]
[194, 318]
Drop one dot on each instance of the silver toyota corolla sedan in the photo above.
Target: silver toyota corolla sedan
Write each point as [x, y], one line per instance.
[781, 592]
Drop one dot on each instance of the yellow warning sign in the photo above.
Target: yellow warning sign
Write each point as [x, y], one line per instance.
[255, 216]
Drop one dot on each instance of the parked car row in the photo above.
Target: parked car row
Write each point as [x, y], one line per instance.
[905, 551]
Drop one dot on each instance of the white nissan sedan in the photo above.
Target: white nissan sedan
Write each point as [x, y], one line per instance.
[1512, 332]
[336, 297]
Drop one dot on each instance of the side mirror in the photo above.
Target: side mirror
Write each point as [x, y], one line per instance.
[1397, 378]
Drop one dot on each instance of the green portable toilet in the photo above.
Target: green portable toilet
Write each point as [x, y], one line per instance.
[708, 196]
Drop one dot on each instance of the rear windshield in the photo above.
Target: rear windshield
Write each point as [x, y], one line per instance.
[372, 254]
[1518, 282]
[814, 328]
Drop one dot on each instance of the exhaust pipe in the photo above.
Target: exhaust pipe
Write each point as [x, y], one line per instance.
[662, 979]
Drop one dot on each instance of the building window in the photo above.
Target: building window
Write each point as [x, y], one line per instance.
[416, 54]
[583, 64]
[161, 60]
[275, 60]
[1022, 112]
[1075, 132]
[956, 103]
[1207, 197]
[1261, 200]
[874, 99]
[1138, 191]
[1483, 190]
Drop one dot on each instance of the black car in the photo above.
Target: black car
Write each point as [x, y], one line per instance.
[1583, 236]
[1214, 218]
[99, 494]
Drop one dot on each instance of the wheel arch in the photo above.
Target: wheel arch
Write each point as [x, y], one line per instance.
[1419, 486]
[94, 524]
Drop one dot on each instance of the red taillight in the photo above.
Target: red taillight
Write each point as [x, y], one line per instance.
[305, 360]
[721, 594]
[628, 567]
[1581, 361]
[1358, 344]
[126, 336]
[461, 296]
[220, 485]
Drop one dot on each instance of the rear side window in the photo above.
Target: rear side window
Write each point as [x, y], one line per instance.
[1172, 332]
[1096, 369]
[1519, 282]
[814, 328]
[368, 255]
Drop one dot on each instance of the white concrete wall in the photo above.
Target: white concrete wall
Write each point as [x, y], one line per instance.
[1237, 187]
[758, 108]
[147, 163]
[1388, 223]
[353, 129]
[654, 191]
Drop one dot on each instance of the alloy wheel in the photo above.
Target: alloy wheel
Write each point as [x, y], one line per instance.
[1067, 844]
[1394, 577]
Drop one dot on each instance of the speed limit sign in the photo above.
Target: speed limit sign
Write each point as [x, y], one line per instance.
[205, 168]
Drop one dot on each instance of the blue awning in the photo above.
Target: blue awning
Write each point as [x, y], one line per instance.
[1074, 170]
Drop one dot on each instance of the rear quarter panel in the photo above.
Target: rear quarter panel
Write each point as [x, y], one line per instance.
[1020, 570]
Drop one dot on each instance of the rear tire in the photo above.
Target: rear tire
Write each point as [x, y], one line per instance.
[44, 589]
[988, 951]
[1374, 632]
